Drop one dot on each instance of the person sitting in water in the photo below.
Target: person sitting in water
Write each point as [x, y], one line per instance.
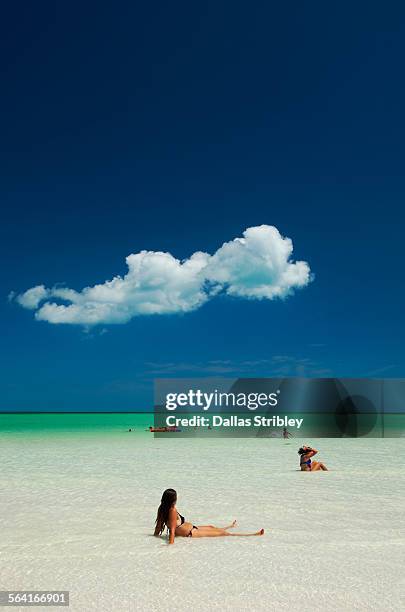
[306, 464]
[167, 516]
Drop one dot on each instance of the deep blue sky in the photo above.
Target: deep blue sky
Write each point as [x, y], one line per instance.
[128, 126]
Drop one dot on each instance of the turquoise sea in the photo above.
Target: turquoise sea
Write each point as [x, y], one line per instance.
[75, 422]
[387, 425]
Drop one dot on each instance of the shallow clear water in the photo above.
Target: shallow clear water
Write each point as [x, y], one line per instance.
[78, 509]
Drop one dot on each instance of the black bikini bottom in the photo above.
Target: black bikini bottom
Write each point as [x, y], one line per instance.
[190, 535]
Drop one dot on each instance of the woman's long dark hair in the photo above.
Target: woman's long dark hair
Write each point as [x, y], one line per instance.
[168, 500]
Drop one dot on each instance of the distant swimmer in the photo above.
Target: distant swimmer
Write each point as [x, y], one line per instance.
[306, 463]
[286, 434]
[168, 516]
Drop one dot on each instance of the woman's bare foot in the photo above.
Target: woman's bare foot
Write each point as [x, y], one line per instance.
[233, 524]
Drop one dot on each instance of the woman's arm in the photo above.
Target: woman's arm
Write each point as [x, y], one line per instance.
[172, 523]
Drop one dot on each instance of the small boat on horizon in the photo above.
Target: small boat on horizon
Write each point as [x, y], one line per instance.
[163, 429]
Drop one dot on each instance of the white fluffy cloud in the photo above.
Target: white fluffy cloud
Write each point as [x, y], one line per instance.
[32, 297]
[257, 266]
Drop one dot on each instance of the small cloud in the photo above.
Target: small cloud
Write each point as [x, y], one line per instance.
[256, 266]
[32, 297]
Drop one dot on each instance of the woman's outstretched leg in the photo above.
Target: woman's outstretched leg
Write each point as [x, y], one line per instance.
[230, 526]
[213, 526]
[216, 532]
[256, 533]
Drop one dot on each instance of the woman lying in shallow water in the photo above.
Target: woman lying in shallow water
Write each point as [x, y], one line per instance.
[306, 464]
[167, 516]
